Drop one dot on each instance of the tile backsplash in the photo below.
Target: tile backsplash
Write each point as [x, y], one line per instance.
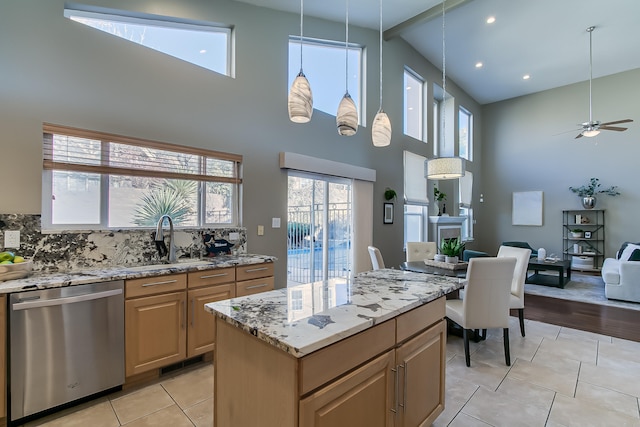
[62, 251]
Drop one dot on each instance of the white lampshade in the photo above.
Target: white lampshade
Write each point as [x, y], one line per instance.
[347, 117]
[300, 100]
[590, 133]
[381, 130]
[445, 168]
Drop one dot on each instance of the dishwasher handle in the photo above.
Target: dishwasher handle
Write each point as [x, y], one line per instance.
[66, 300]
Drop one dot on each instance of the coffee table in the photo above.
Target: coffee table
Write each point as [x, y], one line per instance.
[563, 267]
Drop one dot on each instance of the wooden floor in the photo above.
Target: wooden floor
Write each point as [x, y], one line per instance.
[601, 319]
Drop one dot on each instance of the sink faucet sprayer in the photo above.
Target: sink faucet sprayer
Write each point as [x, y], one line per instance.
[162, 248]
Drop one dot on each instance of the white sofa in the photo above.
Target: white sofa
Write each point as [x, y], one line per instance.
[621, 278]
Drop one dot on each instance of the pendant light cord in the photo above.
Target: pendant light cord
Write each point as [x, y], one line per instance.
[380, 55]
[301, 30]
[590, 29]
[444, 75]
[346, 46]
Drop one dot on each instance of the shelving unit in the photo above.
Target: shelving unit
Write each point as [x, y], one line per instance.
[590, 254]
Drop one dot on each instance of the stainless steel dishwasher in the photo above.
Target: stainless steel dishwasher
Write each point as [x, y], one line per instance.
[65, 344]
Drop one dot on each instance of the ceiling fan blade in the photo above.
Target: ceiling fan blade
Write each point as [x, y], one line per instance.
[579, 136]
[616, 122]
[566, 131]
[618, 129]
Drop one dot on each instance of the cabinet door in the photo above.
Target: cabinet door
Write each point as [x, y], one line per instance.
[155, 331]
[202, 324]
[421, 368]
[3, 356]
[363, 398]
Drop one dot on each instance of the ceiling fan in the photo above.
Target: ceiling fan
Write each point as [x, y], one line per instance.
[593, 128]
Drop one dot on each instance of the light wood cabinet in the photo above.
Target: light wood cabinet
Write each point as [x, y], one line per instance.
[3, 356]
[155, 331]
[419, 364]
[360, 398]
[165, 319]
[392, 374]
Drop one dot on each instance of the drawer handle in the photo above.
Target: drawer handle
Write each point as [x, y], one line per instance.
[395, 391]
[193, 311]
[166, 282]
[214, 275]
[184, 314]
[252, 270]
[404, 391]
[262, 285]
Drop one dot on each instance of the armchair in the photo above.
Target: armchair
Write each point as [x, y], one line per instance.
[622, 274]
[523, 245]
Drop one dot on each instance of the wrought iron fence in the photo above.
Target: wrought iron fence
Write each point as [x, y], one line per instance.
[305, 234]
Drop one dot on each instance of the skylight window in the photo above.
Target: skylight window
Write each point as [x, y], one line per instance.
[207, 45]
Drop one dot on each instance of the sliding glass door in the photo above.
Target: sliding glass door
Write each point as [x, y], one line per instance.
[319, 222]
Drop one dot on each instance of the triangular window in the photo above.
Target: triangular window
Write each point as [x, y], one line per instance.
[204, 44]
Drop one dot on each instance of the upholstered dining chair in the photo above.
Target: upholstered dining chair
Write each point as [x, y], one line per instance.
[486, 302]
[376, 258]
[419, 251]
[519, 277]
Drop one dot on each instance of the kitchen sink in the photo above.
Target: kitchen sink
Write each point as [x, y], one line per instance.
[180, 263]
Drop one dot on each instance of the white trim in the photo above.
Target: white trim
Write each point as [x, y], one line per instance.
[326, 167]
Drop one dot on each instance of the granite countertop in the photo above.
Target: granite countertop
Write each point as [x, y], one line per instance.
[304, 318]
[81, 277]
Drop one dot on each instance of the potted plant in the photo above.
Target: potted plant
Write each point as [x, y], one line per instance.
[439, 196]
[576, 233]
[389, 194]
[451, 248]
[588, 192]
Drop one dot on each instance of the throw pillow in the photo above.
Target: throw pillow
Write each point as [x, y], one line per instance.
[628, 250]
[622, 248]
[635, 255]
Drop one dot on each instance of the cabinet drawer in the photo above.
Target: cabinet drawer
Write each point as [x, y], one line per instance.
[254, 271]
[249, 287]
[155, 285]
[414, 321]
[328, 363]
[211, 277]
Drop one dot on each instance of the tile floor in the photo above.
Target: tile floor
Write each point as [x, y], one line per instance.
[558, 377]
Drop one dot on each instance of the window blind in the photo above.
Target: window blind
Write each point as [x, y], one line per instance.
[466, 187]
[415, 183]
[72, 149]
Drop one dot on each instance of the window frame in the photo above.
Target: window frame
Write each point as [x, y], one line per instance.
[360, 99]
[151, 20]
[422, 125]
[469, 139]
[50, 165]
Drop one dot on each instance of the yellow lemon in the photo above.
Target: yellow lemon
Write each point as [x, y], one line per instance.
[17, 259]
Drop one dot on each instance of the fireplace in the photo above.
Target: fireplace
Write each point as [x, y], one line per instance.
[445, 227]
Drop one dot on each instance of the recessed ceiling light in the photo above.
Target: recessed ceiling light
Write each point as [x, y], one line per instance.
[526, 77]
[410, 108]
[491, 20]
[479, 64]
[408, 87]
[203, 51]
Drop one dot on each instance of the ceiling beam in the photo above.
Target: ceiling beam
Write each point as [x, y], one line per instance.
[423, 17]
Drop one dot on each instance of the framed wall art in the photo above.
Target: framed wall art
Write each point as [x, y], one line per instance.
[527, 208]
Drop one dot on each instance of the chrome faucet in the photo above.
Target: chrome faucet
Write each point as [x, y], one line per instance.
[160, 237]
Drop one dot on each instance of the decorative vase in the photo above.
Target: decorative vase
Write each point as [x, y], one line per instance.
[588, 202]
[444, 209]
[451, 259]
[542, 254]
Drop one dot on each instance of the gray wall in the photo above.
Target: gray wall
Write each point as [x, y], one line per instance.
[58, 71]
[525, 149]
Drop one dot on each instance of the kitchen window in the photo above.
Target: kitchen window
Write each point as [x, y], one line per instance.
[94, 180]
[413, 105]
[465, 129]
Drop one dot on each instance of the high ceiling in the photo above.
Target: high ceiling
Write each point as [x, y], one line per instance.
[546, 39]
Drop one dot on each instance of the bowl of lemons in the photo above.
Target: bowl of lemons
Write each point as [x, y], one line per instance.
[14, 266]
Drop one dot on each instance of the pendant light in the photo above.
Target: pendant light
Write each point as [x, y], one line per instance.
[444, 167]
[381, 129]
[300, 96]
[347, 117]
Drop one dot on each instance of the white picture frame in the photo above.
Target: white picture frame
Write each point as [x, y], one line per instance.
[527, 208]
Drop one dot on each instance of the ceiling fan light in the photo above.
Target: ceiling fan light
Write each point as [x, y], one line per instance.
[300, 100]
[347, 117]
[381, 130]
[590, 133]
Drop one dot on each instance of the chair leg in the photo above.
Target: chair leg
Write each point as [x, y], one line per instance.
[484, 335]
[521, 317]
[465, 337]
[507, 354]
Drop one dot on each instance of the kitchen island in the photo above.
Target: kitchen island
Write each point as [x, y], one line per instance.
[363, 352]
